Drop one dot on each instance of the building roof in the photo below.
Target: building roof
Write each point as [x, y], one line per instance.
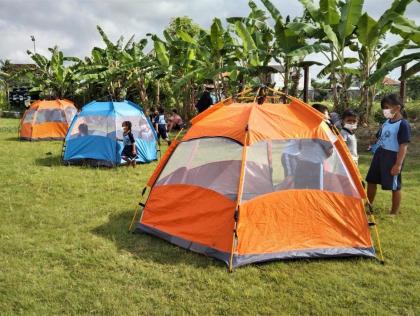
[390, 82]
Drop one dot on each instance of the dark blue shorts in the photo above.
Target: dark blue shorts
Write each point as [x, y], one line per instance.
[162, 131]
[128, 152]
[380, 170]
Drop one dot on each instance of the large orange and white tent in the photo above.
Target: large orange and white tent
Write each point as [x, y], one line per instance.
[47, 120]
[258, 182]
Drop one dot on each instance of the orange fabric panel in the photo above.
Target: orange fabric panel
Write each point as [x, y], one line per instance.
[51, 104]
[284, 121]
[26, 130]
[193, 213]
[301, 219]
[228, 121]
[210, 110]
[267, 121]
[49, 129]
[162, 163]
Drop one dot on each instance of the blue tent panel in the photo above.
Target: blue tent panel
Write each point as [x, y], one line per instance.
[90, 147]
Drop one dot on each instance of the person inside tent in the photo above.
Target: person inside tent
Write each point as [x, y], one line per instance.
[388, 159]
[175, 121]
[129, 151]
[83, 130]
[145, 131]
[303, 160]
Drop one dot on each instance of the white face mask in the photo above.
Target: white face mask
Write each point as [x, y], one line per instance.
[350, 127]
[388, 114]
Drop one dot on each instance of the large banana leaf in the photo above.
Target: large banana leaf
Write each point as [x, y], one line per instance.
[161, 52]
[391, 53]
[329, 13]
[275, 13]
[105, 38]
[351, 12]
[248, 43]
[187, 37]
[335, 64]
[308, 49]
[405, 28]
[311, 8]
[380, 73]
[216, 35]
[367, 31]
[332, 37]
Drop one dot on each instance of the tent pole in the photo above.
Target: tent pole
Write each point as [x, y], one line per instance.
[378, 240]
[136, 210]
[238, 200]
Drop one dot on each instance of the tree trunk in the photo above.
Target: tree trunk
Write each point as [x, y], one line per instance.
[286, 76]
[158, 92]
[334, 82]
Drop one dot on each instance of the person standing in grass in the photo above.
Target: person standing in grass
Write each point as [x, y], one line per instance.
[129, 151]
[349, 121]
[160, 126]
[388, 159]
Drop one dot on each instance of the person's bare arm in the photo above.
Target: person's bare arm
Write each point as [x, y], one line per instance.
[396, 169]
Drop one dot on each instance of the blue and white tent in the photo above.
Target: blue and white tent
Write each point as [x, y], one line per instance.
[95, 133]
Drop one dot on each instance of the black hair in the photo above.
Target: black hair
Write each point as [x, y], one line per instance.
[128, 124]
[175, 111]
[161, 110]
[394, 100]
[349, 113]
[320, 107]
[83, 128]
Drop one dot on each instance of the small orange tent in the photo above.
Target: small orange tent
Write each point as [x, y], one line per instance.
[47, 120]
[251, 183]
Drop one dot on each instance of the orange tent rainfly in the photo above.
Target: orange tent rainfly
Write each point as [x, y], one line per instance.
[258, 182]
[47, 120]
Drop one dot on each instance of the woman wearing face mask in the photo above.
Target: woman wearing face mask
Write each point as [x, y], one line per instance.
[349, 121]
[388, 159]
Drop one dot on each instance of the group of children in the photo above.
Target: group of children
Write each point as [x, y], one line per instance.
[389, 150]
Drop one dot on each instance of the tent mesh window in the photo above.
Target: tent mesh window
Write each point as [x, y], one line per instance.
[93, 125]
[212, 163]
[140, 128]
[69, 112]
[55, 115]
[29, 116]
[295, 164]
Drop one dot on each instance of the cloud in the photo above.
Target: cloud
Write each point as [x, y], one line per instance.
[72, 24]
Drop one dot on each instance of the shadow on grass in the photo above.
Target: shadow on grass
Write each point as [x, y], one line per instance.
[12, 139]
[49, 161]
[149, 248]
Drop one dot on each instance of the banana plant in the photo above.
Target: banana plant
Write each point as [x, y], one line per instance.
[117, 69]
[291, 45]
[374, 56]
[337, 22]
[391, 58]
[176, 56]
[54, 78]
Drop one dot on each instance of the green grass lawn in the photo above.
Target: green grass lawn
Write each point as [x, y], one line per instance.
[64, 248]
